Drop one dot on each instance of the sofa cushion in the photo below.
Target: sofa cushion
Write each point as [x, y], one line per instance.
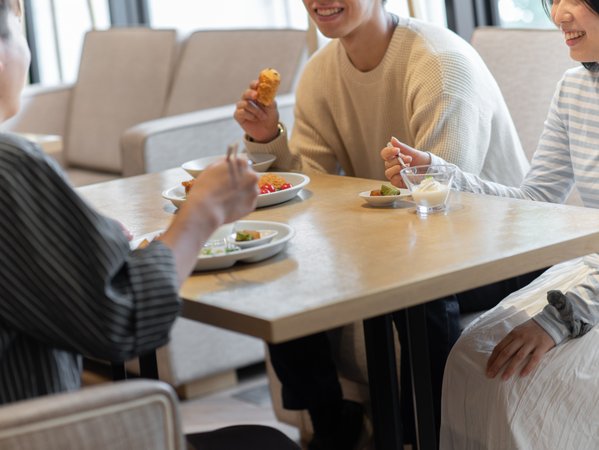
[217, 65]
[123, 80]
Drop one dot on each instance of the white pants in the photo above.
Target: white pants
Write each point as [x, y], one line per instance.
[555, 407]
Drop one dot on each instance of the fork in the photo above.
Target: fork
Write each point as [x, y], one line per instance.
[399, 160]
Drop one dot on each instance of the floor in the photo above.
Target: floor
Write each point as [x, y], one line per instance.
[246, 403]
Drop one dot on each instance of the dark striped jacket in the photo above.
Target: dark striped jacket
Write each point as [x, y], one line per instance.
[69, 285]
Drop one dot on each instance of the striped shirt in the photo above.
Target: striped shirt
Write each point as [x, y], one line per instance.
[69, 285]
[567, 156]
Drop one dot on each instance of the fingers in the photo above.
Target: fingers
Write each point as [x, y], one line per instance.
[501, 354]
[392, 174]
[248, 110]
[524, 346]
[400, 145]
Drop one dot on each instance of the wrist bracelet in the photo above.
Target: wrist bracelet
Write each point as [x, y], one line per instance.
[281, 130]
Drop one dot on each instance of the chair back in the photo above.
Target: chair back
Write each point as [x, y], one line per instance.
[527, 64]
[128, 415]
[123, 80]
[216, 66]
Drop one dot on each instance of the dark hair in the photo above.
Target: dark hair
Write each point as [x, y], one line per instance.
[593, 5]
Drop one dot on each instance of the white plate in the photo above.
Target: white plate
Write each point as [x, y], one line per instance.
[384, 200]
[297, 182]
[248, 255]
[265, 237]
[175, 194]
[260, 162]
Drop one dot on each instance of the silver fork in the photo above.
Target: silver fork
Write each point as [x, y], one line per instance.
[399, 160]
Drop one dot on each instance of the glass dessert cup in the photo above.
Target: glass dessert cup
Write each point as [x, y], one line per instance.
[430, 186]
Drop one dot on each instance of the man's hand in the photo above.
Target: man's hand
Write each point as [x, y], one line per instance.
[258, 121]
[527, 342]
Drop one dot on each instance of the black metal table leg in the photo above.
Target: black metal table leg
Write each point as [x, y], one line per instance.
[415, 323]
[382, 376]
[118, 371]
[148, 365]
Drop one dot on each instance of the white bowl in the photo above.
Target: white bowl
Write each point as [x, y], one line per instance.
[297, 181]
[176, 194]
[260, 162]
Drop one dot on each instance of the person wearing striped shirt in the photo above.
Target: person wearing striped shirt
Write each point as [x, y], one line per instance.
[566, 157]
[69, 283]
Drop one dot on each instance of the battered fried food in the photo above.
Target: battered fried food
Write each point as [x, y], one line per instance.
[187, 185]
[268, 83]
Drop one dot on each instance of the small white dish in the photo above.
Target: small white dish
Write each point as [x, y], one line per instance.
[297, 181]
[223, 260]
[260, 162]
[384, 200]
[176, 195]
[265, 237]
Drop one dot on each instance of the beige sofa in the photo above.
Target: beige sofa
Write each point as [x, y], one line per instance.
[147, 100]
[527, 65]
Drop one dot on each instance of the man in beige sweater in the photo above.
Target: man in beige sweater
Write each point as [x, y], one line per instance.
[381, 76]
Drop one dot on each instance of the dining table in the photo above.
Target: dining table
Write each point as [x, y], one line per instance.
[349, 261]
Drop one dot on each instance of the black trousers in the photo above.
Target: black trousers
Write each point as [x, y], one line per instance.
[308, 373]
[242, 437]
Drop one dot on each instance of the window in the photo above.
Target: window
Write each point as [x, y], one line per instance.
[523, 14]
[189, 15]
[59, 27]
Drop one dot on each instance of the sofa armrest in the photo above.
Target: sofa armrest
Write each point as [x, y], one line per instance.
[170, 141]
[44, 110]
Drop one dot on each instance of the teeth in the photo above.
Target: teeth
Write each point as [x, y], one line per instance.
[573, 34]
[328, 11]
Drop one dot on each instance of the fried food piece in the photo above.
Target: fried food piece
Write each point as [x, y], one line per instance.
[270, 178]
[268, 84]
[143, 244]
[187, 185]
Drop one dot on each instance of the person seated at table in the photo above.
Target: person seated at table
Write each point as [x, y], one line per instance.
[550, 403]
[71, 286]
[381, 75]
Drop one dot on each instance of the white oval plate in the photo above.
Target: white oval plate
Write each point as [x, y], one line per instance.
[265, 237]
[247, 255]
[176, 194]
[260, 162]
[384, 200]
[297, 181]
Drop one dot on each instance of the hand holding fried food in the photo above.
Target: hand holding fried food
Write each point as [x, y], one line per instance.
[268, 84]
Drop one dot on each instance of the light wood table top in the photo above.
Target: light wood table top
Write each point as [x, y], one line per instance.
[349, 261]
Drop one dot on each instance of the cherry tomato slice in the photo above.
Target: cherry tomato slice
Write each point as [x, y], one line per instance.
[285, 186]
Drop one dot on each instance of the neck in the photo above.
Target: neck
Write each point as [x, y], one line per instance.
[367, 45]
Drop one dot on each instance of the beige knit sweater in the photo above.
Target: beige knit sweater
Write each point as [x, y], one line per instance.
[431, 91]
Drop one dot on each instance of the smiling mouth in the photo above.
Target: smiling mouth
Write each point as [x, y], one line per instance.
[571, 35]
[327, 12]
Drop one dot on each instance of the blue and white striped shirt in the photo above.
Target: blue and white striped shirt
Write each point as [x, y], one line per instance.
[69, 285]
[567, 156]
